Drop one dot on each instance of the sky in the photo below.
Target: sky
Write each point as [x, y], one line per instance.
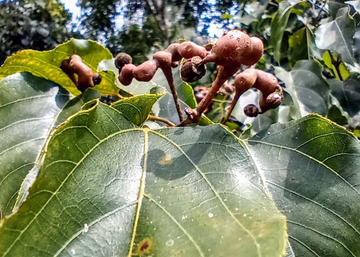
[71, 5]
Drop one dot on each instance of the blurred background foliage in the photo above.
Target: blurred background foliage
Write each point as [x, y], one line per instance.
[313, 47]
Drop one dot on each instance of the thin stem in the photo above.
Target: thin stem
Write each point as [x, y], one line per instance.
[336, 64]
[120, 96]
[170, 81]
[152, 117]
[233, 103]
[184, 123]
[224, 73]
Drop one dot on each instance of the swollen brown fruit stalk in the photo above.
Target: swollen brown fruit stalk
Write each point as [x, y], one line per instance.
[243, 82]
[272, 92]
[85, 77]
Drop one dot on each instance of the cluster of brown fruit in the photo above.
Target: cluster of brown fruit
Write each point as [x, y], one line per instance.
[234, 49]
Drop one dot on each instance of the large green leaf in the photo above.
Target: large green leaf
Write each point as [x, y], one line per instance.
[307, 88]
[278, 25]
[347, 93]
[137, 108]
[106, 188]
[28, 108]
[337, 35]
[46, 64]
[302, 46]
[312, 169]
[74, 105]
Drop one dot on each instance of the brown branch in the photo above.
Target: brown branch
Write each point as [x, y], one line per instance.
[336, 64]
[152, 117]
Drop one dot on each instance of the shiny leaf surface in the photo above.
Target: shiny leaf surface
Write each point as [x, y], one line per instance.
[307, 88]
[137, 192]
[278, 26]
[337, 36]
[313, 177]
[28, 108]
[347, 93]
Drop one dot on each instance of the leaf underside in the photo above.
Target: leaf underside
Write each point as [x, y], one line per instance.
[314, 180]
[108, 188]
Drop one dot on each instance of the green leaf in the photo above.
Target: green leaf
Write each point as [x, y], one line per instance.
[28, 108]
[347, 93]
[336, 115]
[314, 178]
[307, 88]
[337, 66]
[92, 113]
[302, 46]
[278, 25]
[137, 108]
[46, 64]
[135, 192]
[356, 46]
[337, 36]
[74, 105]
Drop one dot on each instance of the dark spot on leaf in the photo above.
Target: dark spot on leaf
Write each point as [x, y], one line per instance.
[144, 247]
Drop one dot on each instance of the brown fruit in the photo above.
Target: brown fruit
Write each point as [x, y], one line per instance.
[96, 77]
[245, 80]
[266, 82]
[126, 74]
[272, 92]
[230, 49]
[145, 71]
[173, 49]
[251, 110]
[163, 59]
[189, 49]
[254, 55]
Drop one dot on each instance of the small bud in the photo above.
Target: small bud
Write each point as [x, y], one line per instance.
[96, 78]
[251, 110]
[122, 59]
[229, 89]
